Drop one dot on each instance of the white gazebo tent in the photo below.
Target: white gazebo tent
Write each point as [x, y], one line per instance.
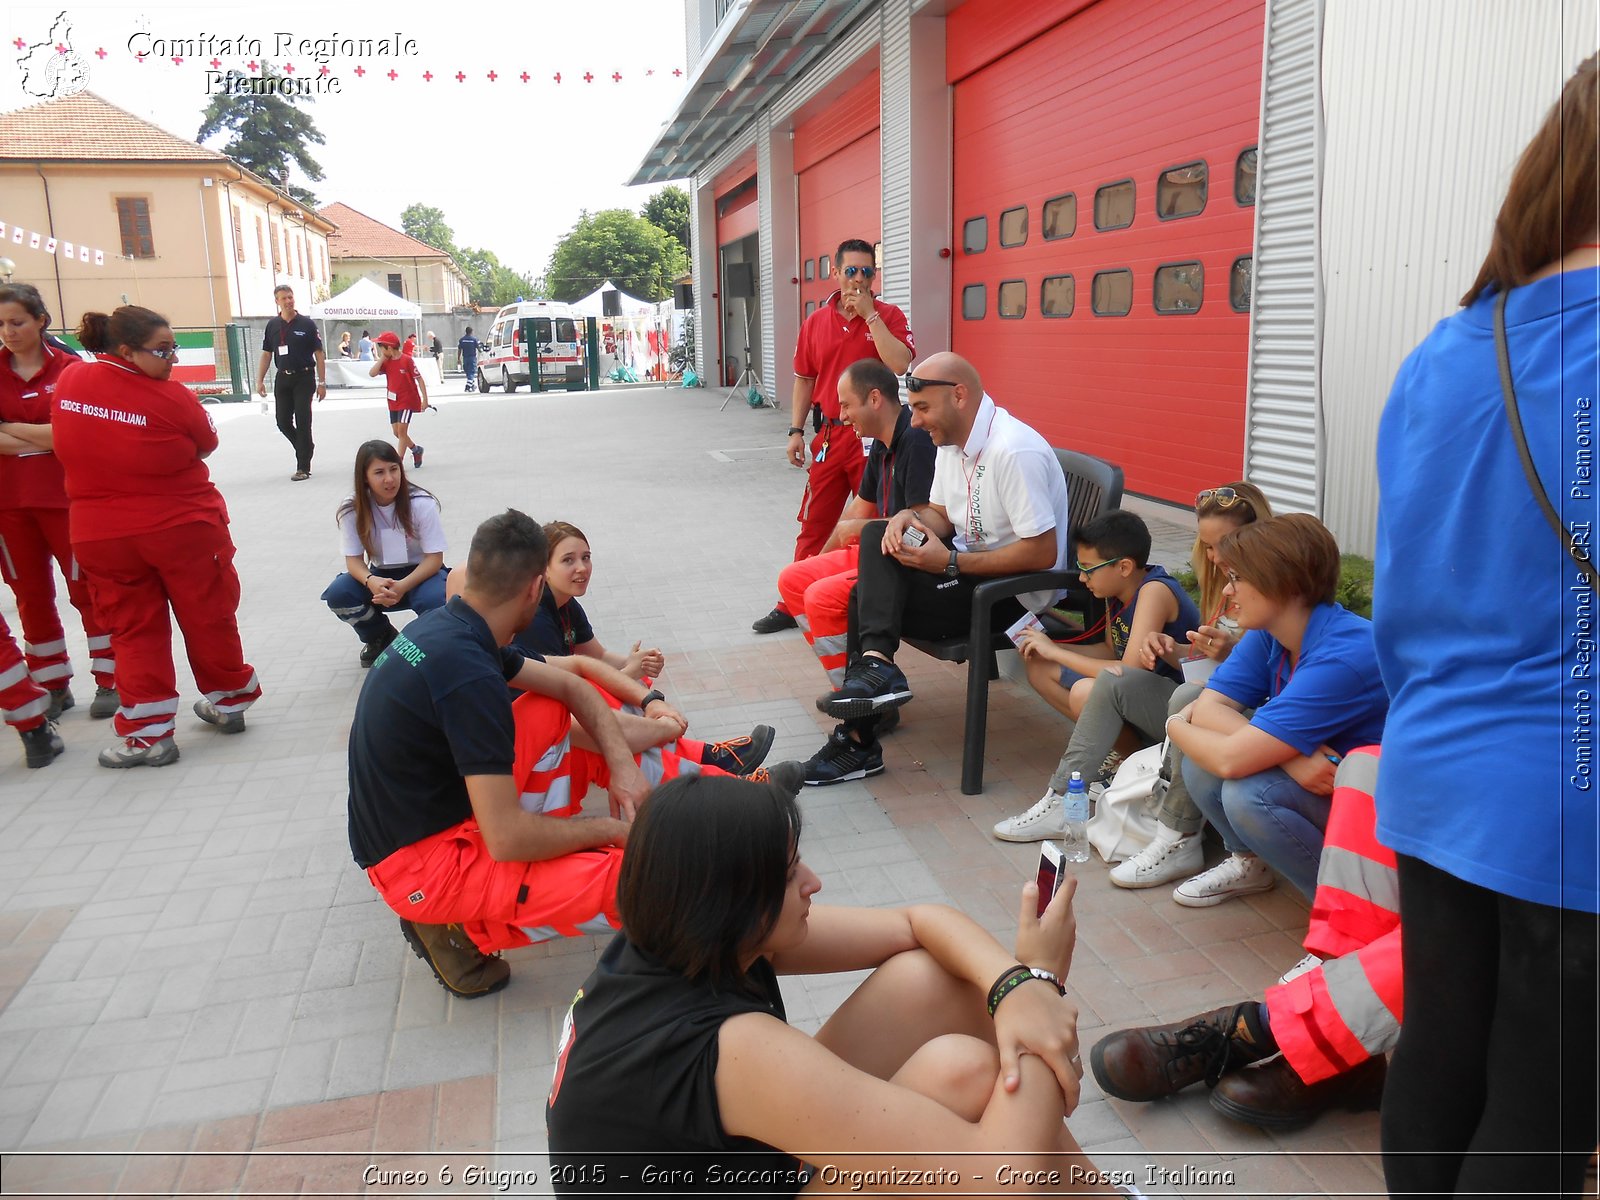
[365, 301]
[633, 328]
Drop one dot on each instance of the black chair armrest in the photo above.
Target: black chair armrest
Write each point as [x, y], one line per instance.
[991, 591]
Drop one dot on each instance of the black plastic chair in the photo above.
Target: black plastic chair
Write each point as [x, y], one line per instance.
[1094, 486]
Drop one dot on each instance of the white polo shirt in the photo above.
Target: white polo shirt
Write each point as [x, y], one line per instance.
[1003, 485]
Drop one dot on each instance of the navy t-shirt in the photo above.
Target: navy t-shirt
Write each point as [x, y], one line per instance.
[432, 711]
[1177, 629]
[555, 631]
[1334, 694]
[908, 459]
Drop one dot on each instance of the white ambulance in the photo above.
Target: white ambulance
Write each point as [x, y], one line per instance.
[558, 342]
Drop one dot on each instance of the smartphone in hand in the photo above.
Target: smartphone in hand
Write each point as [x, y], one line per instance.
[1050, 874]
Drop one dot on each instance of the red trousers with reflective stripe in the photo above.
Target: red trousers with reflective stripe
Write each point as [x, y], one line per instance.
[189, 570]
[1337, 1016]
[450, 878]
[22, 701]
[29, 539]
[816, 592]
[829, 485]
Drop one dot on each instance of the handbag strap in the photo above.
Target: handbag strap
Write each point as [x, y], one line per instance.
[1514, 418]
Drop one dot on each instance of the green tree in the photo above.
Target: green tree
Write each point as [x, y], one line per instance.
[269, 133]
[426, 224]
[668, 209]
[341, 283]
[638, 256]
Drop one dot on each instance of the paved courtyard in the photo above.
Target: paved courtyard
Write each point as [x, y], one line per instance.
[192, 968]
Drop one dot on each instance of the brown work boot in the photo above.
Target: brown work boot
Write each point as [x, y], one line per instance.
[1158, 1060]
[464, 970]
[1274, 1097]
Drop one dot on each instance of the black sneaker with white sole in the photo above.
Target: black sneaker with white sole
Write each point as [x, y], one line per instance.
[741, 755]
[872, 687]
[843, 759]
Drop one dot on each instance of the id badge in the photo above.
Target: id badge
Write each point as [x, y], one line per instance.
[283, 350]
[1197, 669]
[392, 544]
[866, 447]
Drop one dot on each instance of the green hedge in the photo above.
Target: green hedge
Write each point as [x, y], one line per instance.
[1354, 591]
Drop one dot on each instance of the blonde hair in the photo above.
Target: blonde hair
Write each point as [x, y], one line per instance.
[1249, 505]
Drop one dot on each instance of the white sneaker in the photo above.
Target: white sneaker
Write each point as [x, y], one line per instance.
[1309, 963]
[1236, 875]
[1160, 862]
[1040, 823]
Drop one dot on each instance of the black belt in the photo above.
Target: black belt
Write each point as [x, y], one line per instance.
[293, 370]
[818, 421]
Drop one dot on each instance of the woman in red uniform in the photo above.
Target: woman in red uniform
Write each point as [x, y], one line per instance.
[150, 529]
[33, 507]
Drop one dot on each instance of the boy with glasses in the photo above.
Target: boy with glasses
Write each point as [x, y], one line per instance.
[1113, 562]
[851, 325]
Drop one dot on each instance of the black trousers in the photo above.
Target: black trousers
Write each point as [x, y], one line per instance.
[1492, 1090]
[293, 393]
[891, 601]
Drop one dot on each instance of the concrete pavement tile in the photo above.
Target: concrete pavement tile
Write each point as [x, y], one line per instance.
[437, 1054]
[46, 1050]
[404, 1119]
[126, 1101]
[359, 1064]
[466, 1113]
[65, 1111]
[197, 1104]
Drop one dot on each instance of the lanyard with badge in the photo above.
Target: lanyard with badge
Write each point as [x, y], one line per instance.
[974, 479]
[391, 541]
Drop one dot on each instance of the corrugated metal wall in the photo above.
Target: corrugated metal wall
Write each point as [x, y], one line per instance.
[1281, 416]
[1428, 105]
[894, 99]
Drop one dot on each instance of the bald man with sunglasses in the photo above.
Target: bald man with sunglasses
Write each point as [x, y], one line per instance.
[851, 325]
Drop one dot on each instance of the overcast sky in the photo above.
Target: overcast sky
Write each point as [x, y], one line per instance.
[510, 163]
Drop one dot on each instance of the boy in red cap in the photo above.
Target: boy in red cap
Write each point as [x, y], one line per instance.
[408, 391]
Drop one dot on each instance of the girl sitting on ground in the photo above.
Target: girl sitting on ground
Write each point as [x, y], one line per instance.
[678, 1044]
[393, 544]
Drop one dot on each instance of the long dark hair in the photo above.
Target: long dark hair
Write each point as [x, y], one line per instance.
[706, 870]
[360, 501]
[1551, 205]
[28, 296]
[130, 325]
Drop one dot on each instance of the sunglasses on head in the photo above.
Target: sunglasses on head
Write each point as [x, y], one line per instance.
[914, 384]
[865, 272]
[1225, 497]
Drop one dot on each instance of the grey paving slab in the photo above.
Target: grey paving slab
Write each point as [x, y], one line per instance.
[219, 955]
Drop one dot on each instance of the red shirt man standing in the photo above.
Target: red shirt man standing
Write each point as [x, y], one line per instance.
[853, 324]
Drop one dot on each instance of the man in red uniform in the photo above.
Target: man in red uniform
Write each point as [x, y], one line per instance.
[851, 325]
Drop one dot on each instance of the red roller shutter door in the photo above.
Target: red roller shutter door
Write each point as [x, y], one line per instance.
[838, 158]
[1120, 90]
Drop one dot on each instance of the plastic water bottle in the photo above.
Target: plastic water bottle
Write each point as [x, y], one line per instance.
[1075, 821]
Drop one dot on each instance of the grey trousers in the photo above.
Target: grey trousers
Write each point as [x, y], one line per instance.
[1143, 700]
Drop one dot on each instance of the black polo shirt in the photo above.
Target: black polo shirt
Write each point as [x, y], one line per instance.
[299, 335]
[432, 711]
[909, 460]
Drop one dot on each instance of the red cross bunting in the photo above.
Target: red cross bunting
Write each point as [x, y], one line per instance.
[493, 77]
[19, 43]
[427, 75]
[139, 57]
[60, 49]
[616, 77]
[588, 78]
[253, 65]
[324, 70]
[558, 76]
[460, 77]
[393, 75]
[288, 68]
[360, 71]
[177, 60]
[215, 63]
[525, 77]
[101, 52]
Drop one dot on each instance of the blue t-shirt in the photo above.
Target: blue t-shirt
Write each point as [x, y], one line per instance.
[1333, 695]
[432, 711]
[555, 631]
[1485, 628]
[1188, 618]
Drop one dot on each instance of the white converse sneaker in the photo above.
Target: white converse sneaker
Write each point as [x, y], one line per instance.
[1160, 862]
[1236, 875]
[1309, 963]
[1040, 823]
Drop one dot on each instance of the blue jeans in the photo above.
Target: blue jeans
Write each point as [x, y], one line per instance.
[352, 603]
[469, 368]
[1267, 814]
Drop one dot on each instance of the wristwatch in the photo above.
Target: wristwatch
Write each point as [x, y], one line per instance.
[650, 698]
[794, 429]
[950, 568]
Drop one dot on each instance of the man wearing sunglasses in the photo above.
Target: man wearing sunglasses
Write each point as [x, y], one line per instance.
[851, 325]
[998, 506]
